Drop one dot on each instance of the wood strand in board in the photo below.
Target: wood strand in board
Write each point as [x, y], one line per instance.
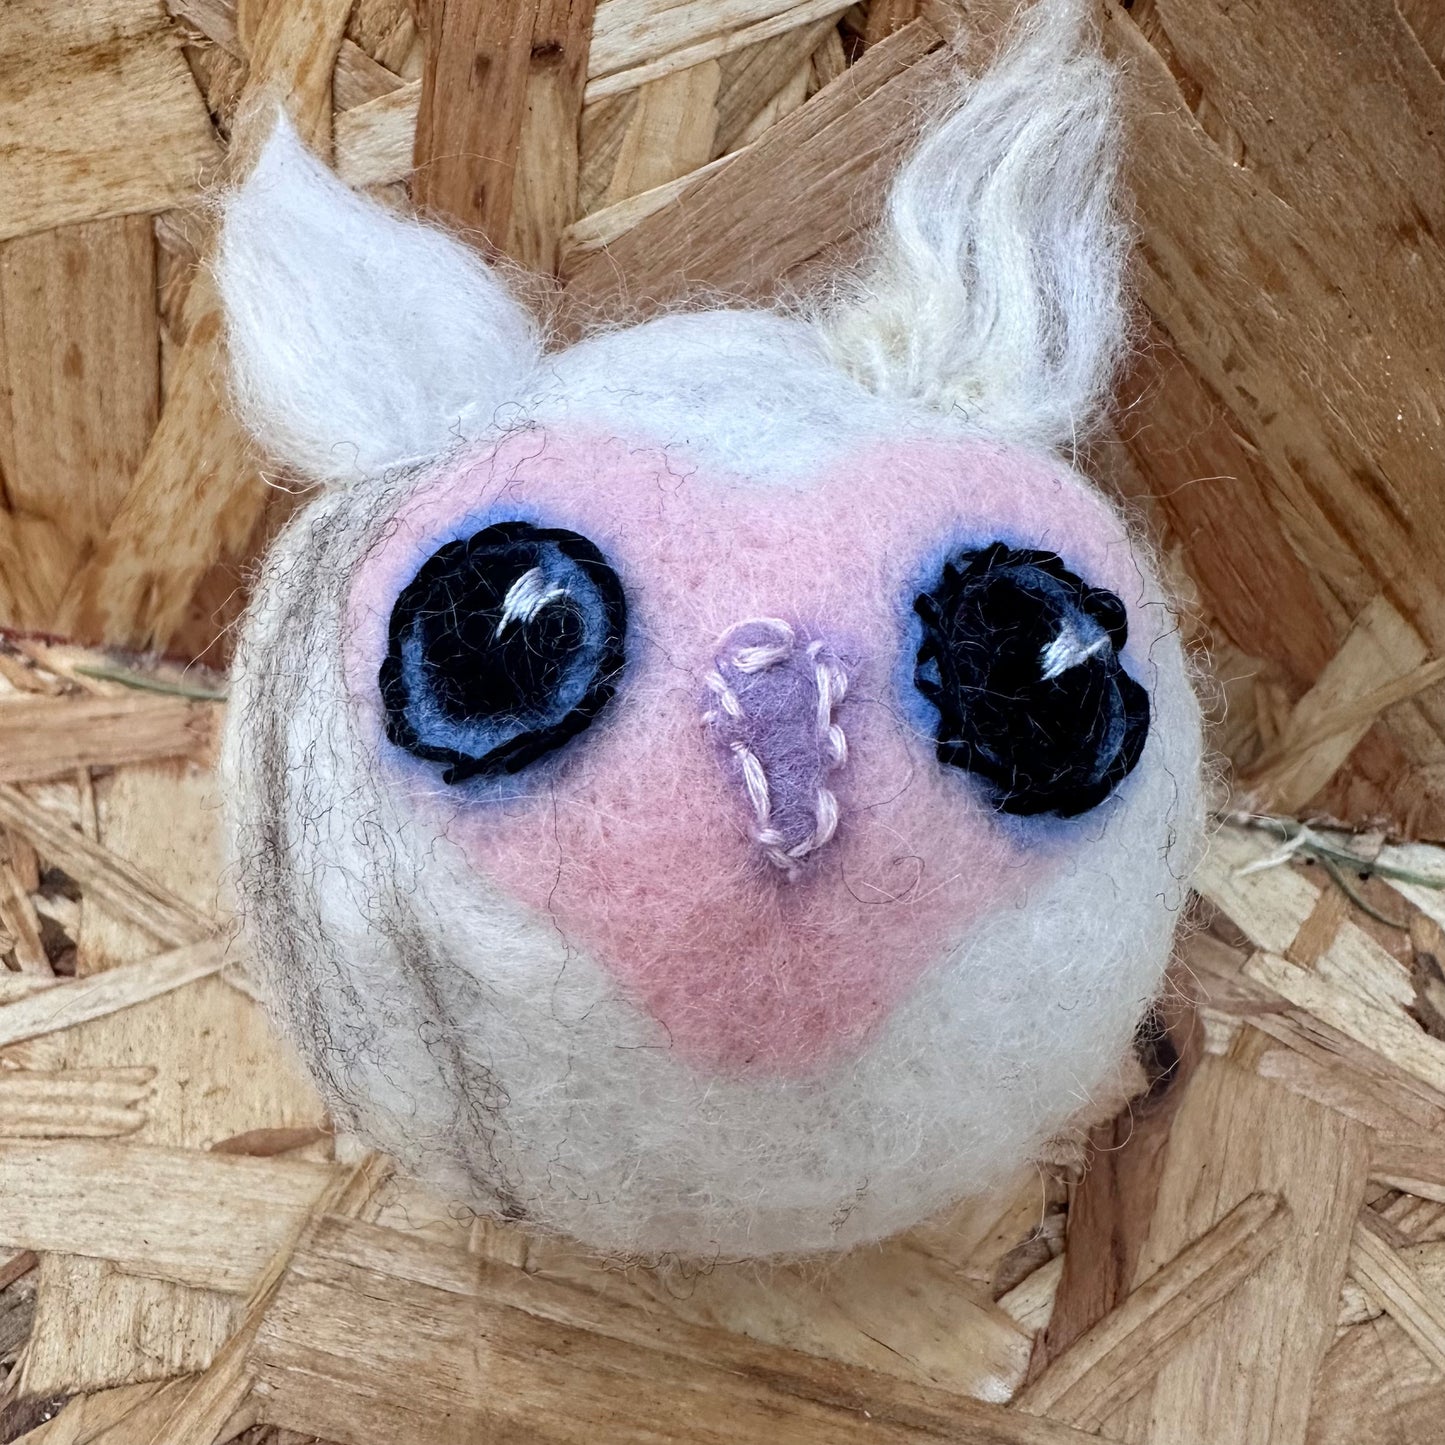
[206, 1221]
[1412, 1160]
[18, 918]
[1377, 1385]
[80, 371]
[52, 1005]
[89, 87]
[375, 140]
[197, 500]
[630, 33]
[1386, 1275]
[110, 880]
[216, 1395]
[809, 183]
[73, 1103]
[45, 737]
[86, 1418]
[1112, 1362]
[499, 119]
[646, 65]
[375, 1335]
[1392, 1034]
[1111, 1206]
[1248, 1367]
[293, 52]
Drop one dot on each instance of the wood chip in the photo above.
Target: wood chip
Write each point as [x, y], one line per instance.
[215, 1397]
[18, 917]
[208, 1221]
[1250, 1365]
[17, 1267]
[1112, 1362]
[80, 360]
[73, 1103]
[374, 141]
[361, 1305]
[1031, 1302]
[498, 125]
[1414, 1162]
[44, 738]
[52, 1005]
[742, 229]
[625, 55]
[1393, 1035]
[1418, 1309]
[109, 879]
[89, 88]
[602, 227]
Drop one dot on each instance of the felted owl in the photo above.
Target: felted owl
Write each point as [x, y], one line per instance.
[724, 787]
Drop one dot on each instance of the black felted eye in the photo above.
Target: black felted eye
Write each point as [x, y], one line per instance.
[504, 646]
[1021, 659]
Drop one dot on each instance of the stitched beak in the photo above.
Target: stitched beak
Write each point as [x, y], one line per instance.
[771, 706]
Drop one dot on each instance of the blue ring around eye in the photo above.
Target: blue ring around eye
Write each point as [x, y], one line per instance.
[505, 645]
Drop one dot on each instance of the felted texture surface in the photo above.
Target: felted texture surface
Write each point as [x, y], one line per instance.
[584, 993]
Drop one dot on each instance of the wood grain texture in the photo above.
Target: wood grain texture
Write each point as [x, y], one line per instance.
[825, 159]
[1111, 1206]
[1414, 1304]
[1248, 1368]
[1260, 268]
[127, 891]
[73, 1103]
[223, 1390]
[1106, 1367]
[50, 737]
[197, 502]
[80, 388]
[33, 1010]
[920, 1306]
[100, 115]
[630, 34]
[360, 1304]
[99, 1322]
[1376, 1383]
[210, 1221]
[498, 124]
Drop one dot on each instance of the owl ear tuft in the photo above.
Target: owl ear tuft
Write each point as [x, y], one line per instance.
[359, 341]
[994, 288]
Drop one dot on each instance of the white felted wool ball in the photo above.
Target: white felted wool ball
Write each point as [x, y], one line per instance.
[727, 787]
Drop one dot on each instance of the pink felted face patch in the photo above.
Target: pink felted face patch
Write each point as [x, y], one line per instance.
[641, 839]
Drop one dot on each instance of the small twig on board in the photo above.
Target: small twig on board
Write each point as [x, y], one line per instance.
[1300, 840]
[143, 683]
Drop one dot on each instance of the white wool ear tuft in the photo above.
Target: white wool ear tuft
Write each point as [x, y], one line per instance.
[359, 341]
[995, 285]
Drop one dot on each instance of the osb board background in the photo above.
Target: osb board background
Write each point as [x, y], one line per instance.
[1251, 1252]
[1254, 1253]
